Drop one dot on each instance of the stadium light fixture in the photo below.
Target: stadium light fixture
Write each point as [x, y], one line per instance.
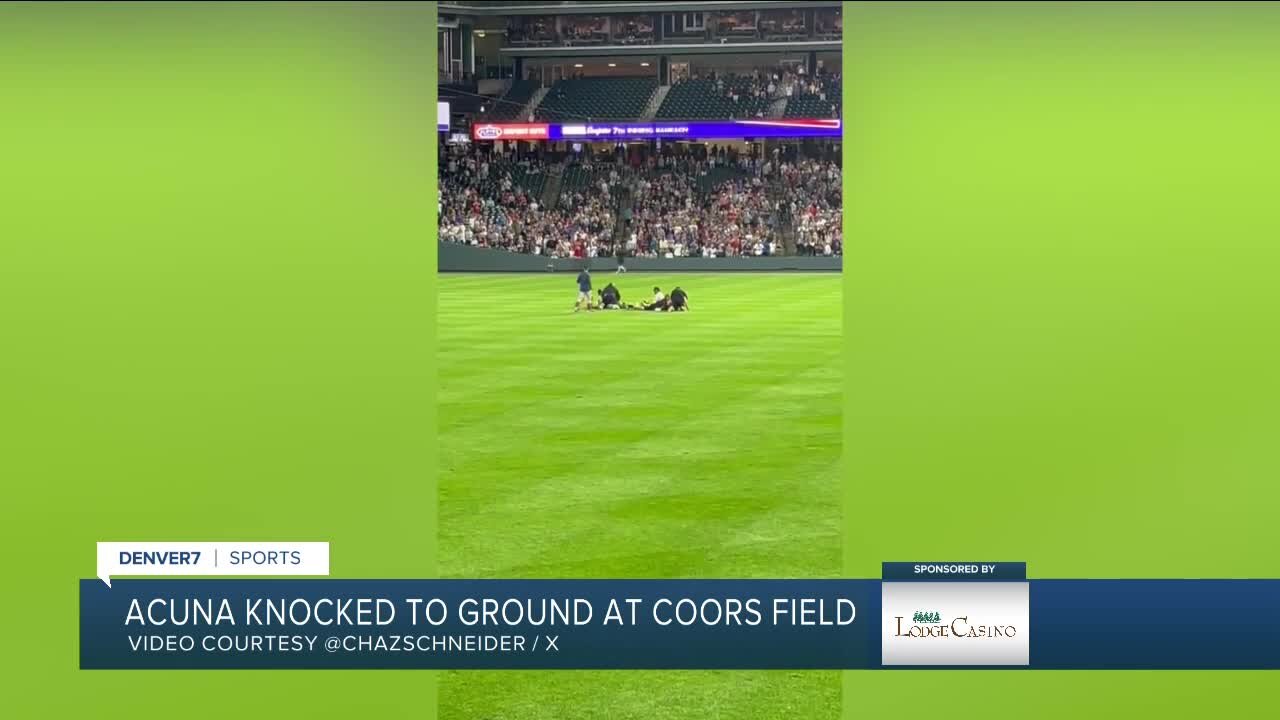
[644, 64]
[613, 64]
[577, 65]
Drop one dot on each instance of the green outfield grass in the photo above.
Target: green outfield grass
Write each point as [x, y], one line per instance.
[630, 444]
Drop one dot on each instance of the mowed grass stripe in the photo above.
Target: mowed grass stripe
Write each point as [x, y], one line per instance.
[623, 444]
[743, 372]
[601, 337]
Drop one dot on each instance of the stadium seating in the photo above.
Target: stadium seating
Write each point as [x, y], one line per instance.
[807, 105]
[700, 99]
[579, 177]
[532, 182]
[508, 107]
[462, 98]
[689, 199]
[597, 99]
[716, 177]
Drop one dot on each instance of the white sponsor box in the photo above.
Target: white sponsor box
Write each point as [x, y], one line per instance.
[955, 623]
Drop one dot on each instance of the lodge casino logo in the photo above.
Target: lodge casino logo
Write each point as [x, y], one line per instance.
[929, 624]
[955, 623]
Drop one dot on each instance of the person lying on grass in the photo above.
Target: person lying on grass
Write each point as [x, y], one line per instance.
[677, 301]
[659, 300]
[610, 297]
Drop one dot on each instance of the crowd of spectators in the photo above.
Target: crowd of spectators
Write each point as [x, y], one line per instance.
[710, 203]
[729, 204]
[536, 30]
[585, 30]
[735, 23]
[633, 29]
[815, 95]
[712, 206]
[828, 23]
[638, 28]
[814, 195]
[750, 94]
[775, 24]
[488, 201]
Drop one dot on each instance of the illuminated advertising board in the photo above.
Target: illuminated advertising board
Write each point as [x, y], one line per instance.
[701, 130]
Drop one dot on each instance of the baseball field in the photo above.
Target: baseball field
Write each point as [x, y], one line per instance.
[642, 445]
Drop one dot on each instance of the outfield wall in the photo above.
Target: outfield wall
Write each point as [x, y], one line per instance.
[455, 257]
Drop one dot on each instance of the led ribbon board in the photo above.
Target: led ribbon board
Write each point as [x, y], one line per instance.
[614, 132]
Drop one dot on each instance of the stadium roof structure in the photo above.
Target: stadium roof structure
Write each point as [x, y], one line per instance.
[508, 8]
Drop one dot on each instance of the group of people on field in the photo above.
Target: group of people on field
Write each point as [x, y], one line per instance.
[609, 297]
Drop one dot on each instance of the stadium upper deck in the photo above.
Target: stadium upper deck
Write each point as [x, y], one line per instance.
[615, 61]
[577, 24]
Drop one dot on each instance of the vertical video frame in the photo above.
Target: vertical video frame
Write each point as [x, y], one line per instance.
[639, 319]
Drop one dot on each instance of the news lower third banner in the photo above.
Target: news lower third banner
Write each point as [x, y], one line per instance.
[918, 615]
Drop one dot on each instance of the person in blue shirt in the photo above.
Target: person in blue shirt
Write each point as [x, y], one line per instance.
[584, 291]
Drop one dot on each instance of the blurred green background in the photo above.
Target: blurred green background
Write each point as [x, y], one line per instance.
[1060, 302]
[217, 298]
[217, 305]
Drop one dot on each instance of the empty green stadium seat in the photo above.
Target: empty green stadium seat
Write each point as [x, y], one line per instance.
[699, 99]
[597, 99]
[508, 107]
